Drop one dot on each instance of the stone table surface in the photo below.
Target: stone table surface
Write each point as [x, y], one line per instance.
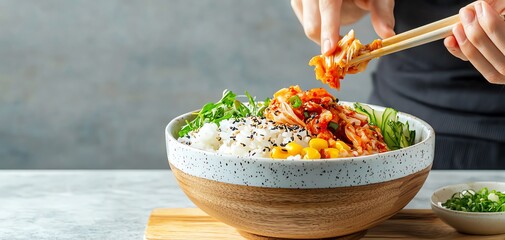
[115, 204]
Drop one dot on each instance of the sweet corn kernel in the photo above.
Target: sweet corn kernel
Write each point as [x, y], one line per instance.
[344, 145]
[293, 148]
[310, 153]
[279, 153]
[331, 152]
[339, 146]
[318, 143]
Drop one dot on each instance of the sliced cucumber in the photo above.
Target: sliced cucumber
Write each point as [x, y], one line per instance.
[367, 110]
[396, 134]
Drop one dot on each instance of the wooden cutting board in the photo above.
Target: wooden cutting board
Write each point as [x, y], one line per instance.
[194, 224]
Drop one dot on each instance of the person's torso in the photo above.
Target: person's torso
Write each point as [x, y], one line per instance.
[429, 82]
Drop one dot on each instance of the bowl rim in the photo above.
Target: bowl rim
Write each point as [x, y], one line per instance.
[429, 128]
[436, 205]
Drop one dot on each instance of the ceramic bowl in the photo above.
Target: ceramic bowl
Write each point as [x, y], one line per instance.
[469, 222]
[302, 199]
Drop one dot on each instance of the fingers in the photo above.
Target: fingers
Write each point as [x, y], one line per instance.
[479, 39]
[492, 24]
[298, 9]
[473, 55]
[497, 5]
[382, 15]
[363, 4]
[330, 25]
[321, 19]
[477, 46]
[312, 20]
[452, 45]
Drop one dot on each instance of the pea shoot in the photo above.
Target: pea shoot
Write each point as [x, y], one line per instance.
[481, 201]
[226, 108]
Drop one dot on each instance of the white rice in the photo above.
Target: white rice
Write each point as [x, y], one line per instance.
[252, 136]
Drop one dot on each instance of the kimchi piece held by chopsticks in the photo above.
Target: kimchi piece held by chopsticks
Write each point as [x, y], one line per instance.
[331, 69]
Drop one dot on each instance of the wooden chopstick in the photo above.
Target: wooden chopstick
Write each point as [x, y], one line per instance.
[421, 30]
[412, 38]
[405, 44]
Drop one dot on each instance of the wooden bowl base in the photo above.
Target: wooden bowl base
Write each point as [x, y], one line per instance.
[251, 236]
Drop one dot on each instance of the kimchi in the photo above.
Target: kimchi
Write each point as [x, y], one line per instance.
[331, 69]
[319, 112]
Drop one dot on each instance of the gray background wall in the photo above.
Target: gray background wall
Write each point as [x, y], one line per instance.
[91, 84]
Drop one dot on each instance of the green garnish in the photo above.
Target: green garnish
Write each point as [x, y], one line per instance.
[396, 134]
[333, 126]
[295, 101]
[481, 201]
[226, 108]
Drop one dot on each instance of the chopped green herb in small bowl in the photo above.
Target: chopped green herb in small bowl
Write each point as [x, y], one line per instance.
[483, 200]
[474, 208]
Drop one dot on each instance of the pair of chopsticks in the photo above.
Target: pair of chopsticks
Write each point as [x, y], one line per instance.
[412, 38]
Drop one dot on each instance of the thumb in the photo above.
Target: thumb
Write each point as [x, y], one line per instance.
[383, 19]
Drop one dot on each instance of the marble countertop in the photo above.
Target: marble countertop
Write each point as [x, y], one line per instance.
[115, 204]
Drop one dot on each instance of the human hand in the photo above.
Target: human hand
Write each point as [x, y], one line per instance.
[321, 19]
[480, 38]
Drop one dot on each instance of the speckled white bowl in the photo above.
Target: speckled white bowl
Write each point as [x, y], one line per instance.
[300, 198]
[469, 222]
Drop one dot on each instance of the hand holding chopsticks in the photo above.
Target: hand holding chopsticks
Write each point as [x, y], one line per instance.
[415, 37]
[478, 29]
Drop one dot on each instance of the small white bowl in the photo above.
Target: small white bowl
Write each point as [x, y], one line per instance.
[480, 223]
